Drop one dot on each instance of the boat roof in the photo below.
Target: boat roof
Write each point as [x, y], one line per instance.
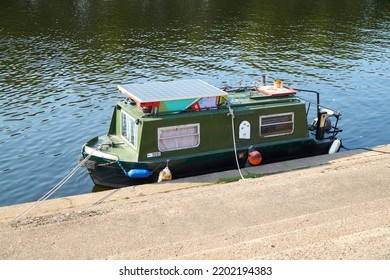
[173, 90]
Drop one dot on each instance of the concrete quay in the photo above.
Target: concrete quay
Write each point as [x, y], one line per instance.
[325, 207]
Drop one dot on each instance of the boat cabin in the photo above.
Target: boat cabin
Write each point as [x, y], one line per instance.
[191, 116]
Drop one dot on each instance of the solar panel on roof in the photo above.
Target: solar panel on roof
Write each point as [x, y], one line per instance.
[175, 90]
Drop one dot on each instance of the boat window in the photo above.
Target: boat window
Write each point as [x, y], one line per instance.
[276, 125]
[129, 129]
[178, 137]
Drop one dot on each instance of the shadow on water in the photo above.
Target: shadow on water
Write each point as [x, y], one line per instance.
[98, 188]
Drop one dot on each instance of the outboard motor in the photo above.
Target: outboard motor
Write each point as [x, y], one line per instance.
[321, 124]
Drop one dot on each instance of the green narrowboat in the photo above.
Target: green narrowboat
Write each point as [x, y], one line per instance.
[189, 127]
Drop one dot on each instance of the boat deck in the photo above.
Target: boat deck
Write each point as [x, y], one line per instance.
[195, 95]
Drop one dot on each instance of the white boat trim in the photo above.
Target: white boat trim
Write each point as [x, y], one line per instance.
[100, 154]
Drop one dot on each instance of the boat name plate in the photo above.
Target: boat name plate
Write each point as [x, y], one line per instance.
[155, 154]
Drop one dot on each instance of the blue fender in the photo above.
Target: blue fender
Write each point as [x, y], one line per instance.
[139, 173]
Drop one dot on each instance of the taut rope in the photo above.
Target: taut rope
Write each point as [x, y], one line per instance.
[55, 188]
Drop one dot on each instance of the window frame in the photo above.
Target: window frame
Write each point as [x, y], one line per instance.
[292, 122]
[161, 129]
[129, 121]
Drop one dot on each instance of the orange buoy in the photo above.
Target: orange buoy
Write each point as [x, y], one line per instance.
[254, 156]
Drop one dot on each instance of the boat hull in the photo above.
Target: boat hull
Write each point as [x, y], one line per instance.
[113, 176]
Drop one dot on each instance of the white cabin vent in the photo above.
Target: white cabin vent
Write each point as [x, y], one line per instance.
[244, 130]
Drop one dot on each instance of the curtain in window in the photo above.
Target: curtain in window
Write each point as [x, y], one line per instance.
[178, 137]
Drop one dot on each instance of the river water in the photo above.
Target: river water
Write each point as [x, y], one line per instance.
[60, 63]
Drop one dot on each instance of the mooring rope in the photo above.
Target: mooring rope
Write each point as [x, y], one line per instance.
[56, 187]
[231, 113]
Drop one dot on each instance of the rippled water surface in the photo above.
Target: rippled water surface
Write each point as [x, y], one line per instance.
[60, 62]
